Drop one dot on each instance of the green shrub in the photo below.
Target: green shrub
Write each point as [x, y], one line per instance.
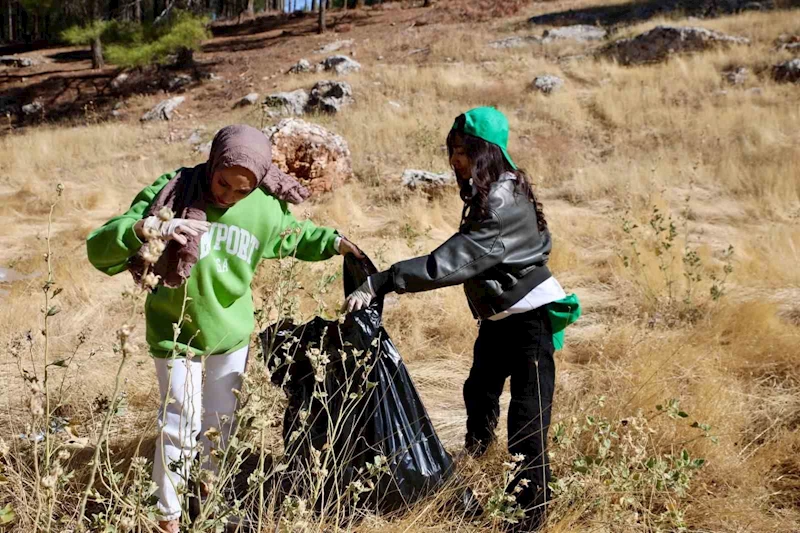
[157, 45]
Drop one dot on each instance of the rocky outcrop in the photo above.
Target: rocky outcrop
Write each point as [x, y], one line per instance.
[662, 42]
[164, 110]
[330, 96]
[320, 159]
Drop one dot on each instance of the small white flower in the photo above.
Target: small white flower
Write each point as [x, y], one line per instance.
[518, 458]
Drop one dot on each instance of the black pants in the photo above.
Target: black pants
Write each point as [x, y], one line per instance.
[519, 346]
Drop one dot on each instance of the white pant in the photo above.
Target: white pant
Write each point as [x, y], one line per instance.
[190, 406]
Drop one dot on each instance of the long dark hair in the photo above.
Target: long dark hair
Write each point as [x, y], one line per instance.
[488, 164]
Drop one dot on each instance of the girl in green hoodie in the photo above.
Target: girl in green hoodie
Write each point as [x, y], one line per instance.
[229, 213]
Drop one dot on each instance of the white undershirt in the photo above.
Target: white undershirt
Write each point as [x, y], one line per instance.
[546, 292]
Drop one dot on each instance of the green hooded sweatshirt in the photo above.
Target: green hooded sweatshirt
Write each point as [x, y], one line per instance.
[218, 300]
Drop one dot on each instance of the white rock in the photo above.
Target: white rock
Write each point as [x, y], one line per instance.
[301, 67]
[164, 110]
[288, 103]
[515, 42]
[547, 83]
[249, 100]
[330, 96]
[427, 181]
[334, 46]
[340, 64]
[579, 33]
[34, 108]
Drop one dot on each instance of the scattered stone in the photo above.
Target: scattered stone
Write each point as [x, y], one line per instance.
[736, 75]
[34, 108]
[17, 62]
[755, 91]
[787, 72]
[395, 104]
[419, 51]
[330, 96]
[547, 83]
[204, 149]
[334, 46]
[428, 182]
[516, 42]
[249, 100]
[119, 105]
[661, 42]
[164, 110]
[341, 65]
[791, 47]
[195, 138]
[288, 103]
[301, 67]
[178, 82]
[581, 33]
[318, 158]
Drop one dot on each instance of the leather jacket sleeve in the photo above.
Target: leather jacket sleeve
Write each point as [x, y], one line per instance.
[477, 247]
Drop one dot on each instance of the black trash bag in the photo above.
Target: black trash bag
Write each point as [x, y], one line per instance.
[364, 391]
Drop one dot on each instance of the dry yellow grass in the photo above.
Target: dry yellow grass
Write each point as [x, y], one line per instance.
[611, 145]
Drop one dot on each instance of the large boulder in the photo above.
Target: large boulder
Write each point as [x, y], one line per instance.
[291, 103]
[788, 71]
[16, 61]
[427, 182]
[579, 32]
[330, 96]
[340, 64]
[318, 158]
[547, 83]
[164, 110]
[661, 42]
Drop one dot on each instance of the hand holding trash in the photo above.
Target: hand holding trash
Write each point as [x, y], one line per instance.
[177, 229]
[346, 247]
[360, 298]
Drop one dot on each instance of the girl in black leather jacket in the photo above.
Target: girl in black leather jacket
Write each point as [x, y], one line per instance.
[500, 256]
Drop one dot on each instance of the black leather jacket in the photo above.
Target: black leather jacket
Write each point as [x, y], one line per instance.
[499, 259]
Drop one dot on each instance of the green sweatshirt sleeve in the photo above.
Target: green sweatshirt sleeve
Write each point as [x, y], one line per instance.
[303, 240]
[110, 246]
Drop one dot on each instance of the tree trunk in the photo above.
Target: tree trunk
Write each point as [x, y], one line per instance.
[251, 7]
[10, 23]
[185, 58]
[97, 54]
[137, 11]
[314, 6]
[321, 28]
[359, 4]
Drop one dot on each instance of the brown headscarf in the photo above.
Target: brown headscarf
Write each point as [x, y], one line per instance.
[188, 192]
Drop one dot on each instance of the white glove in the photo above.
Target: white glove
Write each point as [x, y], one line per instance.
[360, 298]
[176, 229]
